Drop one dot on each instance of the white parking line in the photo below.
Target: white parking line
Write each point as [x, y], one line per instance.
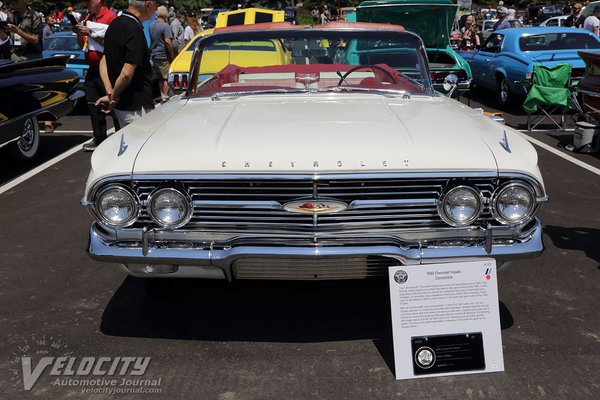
[70, 131]
[561, 154]
[22, 178]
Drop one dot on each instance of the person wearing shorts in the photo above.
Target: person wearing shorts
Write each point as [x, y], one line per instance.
[161, 49]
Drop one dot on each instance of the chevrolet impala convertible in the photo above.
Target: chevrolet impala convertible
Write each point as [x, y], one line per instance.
[337, 164]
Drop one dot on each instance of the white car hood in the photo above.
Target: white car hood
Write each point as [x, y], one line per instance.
[318, 133]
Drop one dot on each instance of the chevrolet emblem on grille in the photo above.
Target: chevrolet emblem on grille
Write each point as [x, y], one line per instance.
[315, 206]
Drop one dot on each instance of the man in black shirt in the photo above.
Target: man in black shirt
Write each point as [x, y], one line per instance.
[125, 67]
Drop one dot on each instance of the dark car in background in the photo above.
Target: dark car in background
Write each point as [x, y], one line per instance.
[290, 15]
[42, 89]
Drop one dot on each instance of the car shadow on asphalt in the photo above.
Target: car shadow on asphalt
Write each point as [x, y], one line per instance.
[578, 238]
[260, 311]
[51, 145]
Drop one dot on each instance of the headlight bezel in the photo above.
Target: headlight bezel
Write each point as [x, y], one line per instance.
[507, 186]
[442, 203]
[187, 200]
[105, 221]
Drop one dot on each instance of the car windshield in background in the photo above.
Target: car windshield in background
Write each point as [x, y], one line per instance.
[558, 41]
[307, 60]
[515, 23]
[62, 43]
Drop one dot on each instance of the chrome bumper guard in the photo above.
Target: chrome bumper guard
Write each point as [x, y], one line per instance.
[215, 260]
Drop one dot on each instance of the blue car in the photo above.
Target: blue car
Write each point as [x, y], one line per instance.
[509, 55]
[65, 43]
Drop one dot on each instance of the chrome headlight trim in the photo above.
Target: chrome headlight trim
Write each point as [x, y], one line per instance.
[96, 210]
[511, 185]
[187, 201]
[442, 203]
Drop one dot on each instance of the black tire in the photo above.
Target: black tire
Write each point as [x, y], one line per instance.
[505, 95]
[28, 144]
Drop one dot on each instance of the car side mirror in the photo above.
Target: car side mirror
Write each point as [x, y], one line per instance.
[450, 84]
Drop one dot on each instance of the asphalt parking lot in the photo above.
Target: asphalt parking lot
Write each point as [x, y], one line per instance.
[255, 340]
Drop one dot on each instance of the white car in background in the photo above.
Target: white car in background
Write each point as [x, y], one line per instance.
[488, 26]
[555, 21]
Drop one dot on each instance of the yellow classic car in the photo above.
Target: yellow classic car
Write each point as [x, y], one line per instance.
[260, 53]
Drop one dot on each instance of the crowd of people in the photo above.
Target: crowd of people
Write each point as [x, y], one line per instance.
[470, 31]
[124, 75]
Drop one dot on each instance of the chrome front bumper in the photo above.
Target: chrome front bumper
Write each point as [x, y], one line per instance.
[195, 258]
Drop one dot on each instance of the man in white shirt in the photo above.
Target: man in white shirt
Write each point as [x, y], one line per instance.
[592, 23]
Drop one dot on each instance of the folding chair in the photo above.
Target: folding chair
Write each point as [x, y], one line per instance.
[548, 91]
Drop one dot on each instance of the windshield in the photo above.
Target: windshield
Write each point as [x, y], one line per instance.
[558, 41]
[61, 43]
[310, 60]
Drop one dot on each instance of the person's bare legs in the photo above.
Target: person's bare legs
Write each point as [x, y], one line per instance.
[164, 91]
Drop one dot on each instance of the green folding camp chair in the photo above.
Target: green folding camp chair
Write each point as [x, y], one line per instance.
[548, 91]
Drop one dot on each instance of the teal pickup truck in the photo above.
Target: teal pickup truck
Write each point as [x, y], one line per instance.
[430, 19]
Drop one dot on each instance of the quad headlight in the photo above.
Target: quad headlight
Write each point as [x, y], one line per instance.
[170, 208]
[117, 206]
[513, 203]
[460, 205]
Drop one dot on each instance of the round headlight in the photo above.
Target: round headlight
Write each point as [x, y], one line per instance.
[117, 206]
[170, 208]
[513, 203]
[460, 206]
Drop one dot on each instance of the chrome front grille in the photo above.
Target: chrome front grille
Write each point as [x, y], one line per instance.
[313, 268]
[254, 206]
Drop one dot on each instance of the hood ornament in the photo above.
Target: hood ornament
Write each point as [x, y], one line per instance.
[123, 146]
[504, 143]
[315, 206]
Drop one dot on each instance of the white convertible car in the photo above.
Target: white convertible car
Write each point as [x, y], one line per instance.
[336, 162]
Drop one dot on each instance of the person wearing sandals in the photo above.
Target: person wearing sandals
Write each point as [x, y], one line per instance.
[161, 50]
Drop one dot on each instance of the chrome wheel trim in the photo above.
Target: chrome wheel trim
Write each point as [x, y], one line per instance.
[504, 91]
[27, 139]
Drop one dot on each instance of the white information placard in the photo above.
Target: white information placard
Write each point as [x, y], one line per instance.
[445, 319]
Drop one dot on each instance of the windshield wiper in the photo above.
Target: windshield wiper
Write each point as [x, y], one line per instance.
[405, 94]
[216, 96]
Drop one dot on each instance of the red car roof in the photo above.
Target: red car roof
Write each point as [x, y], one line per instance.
[337, 25]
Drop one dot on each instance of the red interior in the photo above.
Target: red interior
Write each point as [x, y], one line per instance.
[230, 75]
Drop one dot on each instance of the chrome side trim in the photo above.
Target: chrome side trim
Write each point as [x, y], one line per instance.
[10, 141]
[48, 109]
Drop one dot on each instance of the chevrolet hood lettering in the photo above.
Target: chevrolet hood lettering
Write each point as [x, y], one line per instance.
[315, 206]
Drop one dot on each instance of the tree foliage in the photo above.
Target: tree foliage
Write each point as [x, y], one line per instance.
[195, 5]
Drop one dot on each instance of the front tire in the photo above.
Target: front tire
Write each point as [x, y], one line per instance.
[505, 95]
[28, 144]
